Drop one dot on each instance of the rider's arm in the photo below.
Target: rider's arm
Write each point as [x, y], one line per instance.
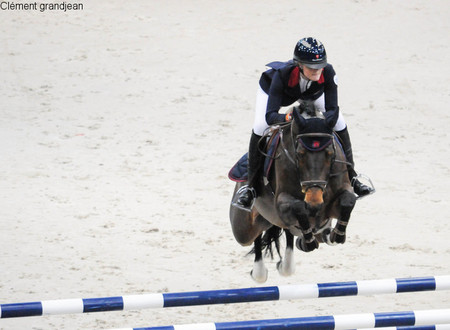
[275, 101]
[331, 95]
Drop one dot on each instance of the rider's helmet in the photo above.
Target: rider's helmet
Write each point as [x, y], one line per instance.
[310, 52]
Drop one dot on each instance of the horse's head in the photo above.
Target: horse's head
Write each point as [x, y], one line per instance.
[315, 154]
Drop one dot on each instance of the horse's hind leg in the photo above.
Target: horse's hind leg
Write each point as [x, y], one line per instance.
[347, 203]
[286, 266]
[259, 271]
[246, 226]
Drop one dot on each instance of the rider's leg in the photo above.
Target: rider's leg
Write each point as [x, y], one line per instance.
[359, 188]
[255, 159]
[247, 194]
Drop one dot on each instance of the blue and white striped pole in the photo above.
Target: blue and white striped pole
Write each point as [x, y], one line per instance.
[282, 292]
[408, 320]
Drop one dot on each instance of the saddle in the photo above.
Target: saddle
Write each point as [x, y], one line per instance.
[238, 172]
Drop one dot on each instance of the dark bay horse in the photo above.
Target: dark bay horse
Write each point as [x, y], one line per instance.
[306, 190]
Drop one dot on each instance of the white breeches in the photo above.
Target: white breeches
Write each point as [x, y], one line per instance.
[260, 124]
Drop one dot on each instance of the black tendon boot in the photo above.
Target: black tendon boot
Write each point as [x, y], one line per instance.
[359, 188]
[247, 193]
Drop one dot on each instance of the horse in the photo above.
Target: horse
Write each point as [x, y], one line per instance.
[307, 194]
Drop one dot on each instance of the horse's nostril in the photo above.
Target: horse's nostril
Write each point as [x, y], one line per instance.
[313, 209]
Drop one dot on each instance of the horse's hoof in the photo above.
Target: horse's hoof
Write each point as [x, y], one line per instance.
[326, 237]
[329, 242]
[299, 244]
[306, 247]
[259, 277]
[337, 238]
[259, 272]
[286, 265]
[284, 269]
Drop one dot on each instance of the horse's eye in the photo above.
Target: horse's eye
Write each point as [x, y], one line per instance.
[330, 151]
[301, 150]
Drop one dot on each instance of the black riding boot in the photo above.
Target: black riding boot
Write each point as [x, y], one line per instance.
[359, 188]
[247, 193]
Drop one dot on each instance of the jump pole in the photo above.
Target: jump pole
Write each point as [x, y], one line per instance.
[282, 292]
[404, 320]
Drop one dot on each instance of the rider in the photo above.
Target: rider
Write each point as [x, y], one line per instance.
[307, 77]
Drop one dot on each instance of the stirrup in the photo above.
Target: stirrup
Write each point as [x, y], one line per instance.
[368, 180]
[236, 196]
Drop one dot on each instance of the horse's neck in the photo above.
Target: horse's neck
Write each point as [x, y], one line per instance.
[287, 143]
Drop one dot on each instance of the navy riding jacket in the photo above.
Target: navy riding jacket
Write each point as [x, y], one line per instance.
[281, 83]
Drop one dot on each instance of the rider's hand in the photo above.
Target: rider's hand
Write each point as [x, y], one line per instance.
[330, 118]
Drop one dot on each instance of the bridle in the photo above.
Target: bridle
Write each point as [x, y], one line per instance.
[294, 159]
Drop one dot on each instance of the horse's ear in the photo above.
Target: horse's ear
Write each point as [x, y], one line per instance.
[298, 118]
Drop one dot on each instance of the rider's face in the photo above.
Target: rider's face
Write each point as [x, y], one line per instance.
[312, 74]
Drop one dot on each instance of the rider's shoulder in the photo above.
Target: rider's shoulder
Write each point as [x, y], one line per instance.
[283, 69]
[281, 66]
[276, 68]
[329, 73]
[328, 69]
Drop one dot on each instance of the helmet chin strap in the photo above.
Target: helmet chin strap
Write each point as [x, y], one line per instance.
[300, 67]
[302, 74]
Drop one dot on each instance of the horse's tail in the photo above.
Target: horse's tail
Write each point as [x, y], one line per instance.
[272, 235]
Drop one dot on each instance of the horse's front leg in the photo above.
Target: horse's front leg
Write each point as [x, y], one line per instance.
[259, 271]
[286, 266]
[294, 213]
[346, 204]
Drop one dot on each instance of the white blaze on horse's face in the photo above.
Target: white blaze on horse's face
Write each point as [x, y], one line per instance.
[314, 197]
[315, 174]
